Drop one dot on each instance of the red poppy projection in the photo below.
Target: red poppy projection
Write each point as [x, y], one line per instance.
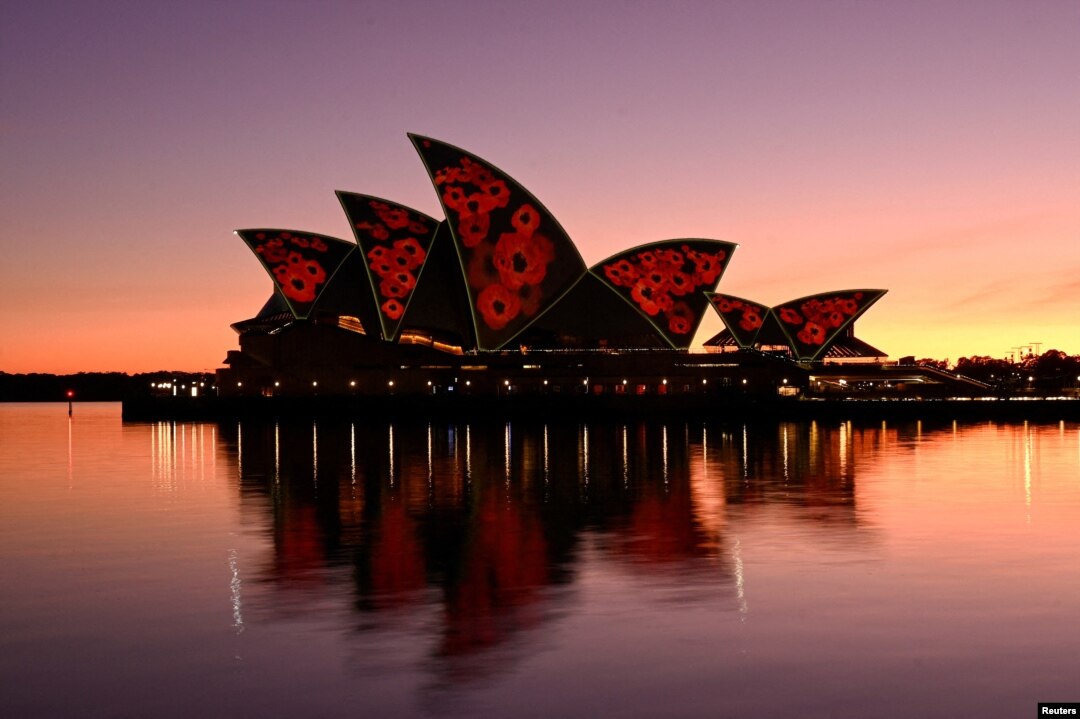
[665, 281]
[300, 263]
[743, 318]
[812, 323]
[395, 241]
[516, 257]
[511, 262]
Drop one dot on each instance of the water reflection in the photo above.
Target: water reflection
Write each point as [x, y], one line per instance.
[488, 525]
[469, 569]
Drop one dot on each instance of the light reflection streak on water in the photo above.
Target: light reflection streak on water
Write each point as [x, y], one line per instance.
[315, 454]
[277, 453]
[468, 454]
[70, 465]
[814, 439]
[239, 450]
[235, 586]
[352, 452]
[506, 453]
[161, 455]
[178, 456]
[429, 469]
[843, 447]
[784, 451]
[625, 460]
[740, 583]
[391, 451]
[585, 459]
[745, 459]
[664, 454]
[704, 444]
[547, 476]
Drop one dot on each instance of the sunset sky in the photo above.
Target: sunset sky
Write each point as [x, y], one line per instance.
[929, 148]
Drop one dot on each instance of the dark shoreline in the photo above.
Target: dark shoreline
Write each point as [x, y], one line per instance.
[378, 409]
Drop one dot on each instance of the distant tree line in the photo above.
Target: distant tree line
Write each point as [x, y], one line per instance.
[1046, 373]
[89, 386]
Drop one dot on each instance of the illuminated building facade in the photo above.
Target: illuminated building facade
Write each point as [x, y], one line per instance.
[495, 299]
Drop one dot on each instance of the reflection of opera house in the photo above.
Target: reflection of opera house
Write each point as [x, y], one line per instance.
[496, 299]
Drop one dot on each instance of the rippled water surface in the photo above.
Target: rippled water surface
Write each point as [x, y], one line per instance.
[722, 570]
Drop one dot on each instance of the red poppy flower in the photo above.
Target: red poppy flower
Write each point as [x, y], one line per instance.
[260, 235]
[621, 273]
[656, 279]
[454, 198]
[498, 192]
[672, 258]
[474, 172]
[393, 309]
[647, 259]
[390, 287]
[664, 302]
[378, 206]
[298, 280]
[399, 259]
[375, 230]
[318, 245]
[465, 170]
[834, 319]
[395, 218]
[645, 296]
[858, 295]
[707, 267]
[478, 202]
[299, 288]
[403, 278]
[382, 267]
[723, 304]
[848, 306]
[418, 228]
[811, 334]
[446, 174]
[790, 316]
[526, 220]
[679, 283]
[679, 325]
[273, 252]
[498, 306]
[411, 247]
[680, 318]
[301, 242]
[522, 260]
[473, 229]
[751, 320]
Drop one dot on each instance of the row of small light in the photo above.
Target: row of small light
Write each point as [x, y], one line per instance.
[390, 383]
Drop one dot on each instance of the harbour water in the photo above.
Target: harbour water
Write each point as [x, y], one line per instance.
[339, 569]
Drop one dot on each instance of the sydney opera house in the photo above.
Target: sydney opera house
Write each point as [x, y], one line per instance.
[494, 299]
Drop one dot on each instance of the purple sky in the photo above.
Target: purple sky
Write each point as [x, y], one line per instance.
[929, 148]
